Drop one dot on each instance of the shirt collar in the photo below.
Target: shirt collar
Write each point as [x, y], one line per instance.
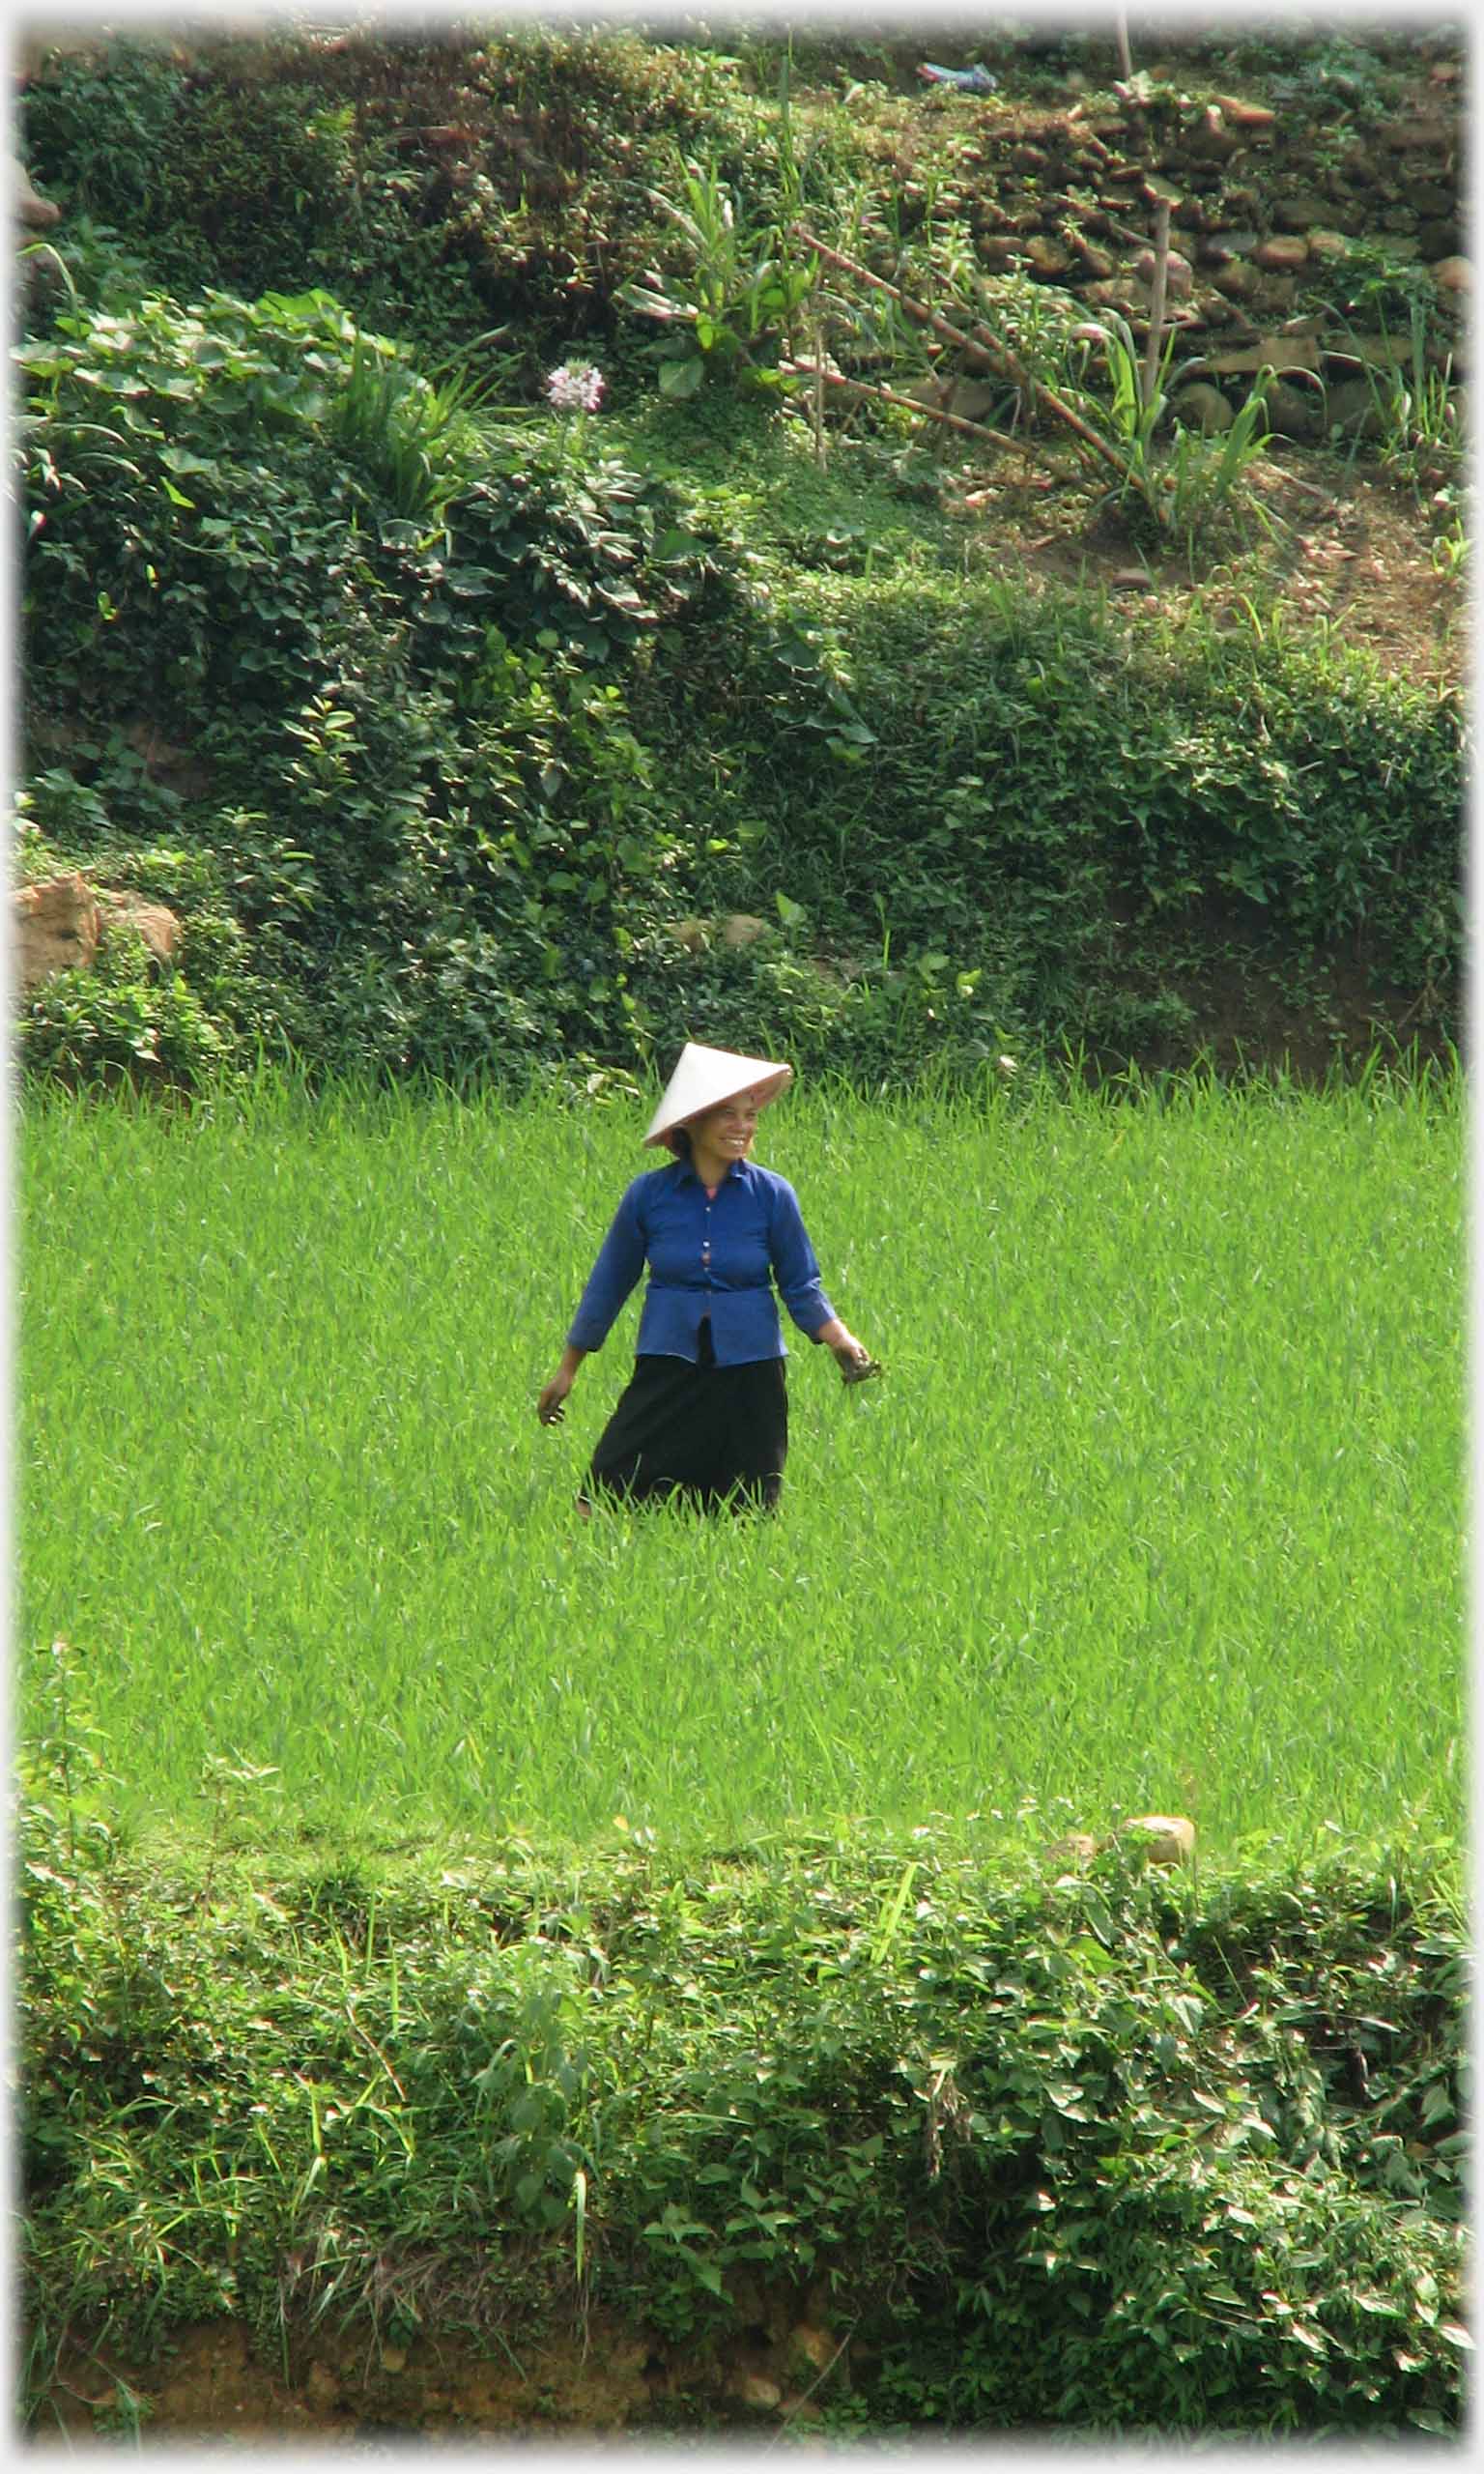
[734, 1168]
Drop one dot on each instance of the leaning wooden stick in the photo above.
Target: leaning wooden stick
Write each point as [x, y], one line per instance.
[983, 339]
[889, 396]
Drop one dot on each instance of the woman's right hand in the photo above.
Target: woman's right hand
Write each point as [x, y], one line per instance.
[551, 1395]
[550, 1398]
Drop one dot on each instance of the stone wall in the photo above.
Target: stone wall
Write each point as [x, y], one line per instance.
[1069, 197]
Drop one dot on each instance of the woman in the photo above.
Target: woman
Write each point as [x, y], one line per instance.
[705, 1413]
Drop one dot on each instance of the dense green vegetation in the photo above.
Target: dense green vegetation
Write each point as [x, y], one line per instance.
[1067, 2151]
[456, 726]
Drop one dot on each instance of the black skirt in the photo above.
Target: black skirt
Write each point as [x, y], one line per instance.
[713, 1435]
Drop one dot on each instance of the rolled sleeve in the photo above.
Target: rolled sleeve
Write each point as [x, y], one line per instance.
[795, 1269]
[615, 1274]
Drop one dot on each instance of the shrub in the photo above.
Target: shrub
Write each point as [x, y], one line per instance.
[1077, 2153]
[439, 183]
[399, 643]
[980, 757]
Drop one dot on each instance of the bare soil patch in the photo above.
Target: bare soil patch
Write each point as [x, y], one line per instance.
[1348, 550]
[596, 2376]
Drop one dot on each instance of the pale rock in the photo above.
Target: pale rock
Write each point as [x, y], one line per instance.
[1048, 258]
[1270, 352]
[1212, 138]
[740, 928]
[969, 399]
[1295, 412]
[1096, 262]
[58, 922]
[816, 2345]
[36, 213]
[1178, 274]
[1377, 351]
[754, 2389]
[1283, 254]
[1225, 243]
[158, 926]
[56, 928]
[1204, 408]
[1295, 213]
[1417, 136]
[1453, 275]
[1253, 120]
[1352, 406]
[1167, 1838]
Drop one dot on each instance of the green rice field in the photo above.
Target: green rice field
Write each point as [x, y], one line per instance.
[1159, 1507]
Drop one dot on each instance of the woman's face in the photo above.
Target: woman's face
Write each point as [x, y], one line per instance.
[726, 1131]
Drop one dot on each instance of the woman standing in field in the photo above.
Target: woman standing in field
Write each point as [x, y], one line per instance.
[705, 1415]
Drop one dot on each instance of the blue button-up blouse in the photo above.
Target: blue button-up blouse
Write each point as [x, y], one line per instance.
[706, 1256]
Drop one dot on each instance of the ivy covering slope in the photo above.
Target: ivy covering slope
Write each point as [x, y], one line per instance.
[456, 727]
[1052, 2148]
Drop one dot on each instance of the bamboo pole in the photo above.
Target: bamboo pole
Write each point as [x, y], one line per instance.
[819, 402]
[987, 342]
[1156, 335]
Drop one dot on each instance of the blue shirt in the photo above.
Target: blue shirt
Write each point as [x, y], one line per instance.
[707, 1257]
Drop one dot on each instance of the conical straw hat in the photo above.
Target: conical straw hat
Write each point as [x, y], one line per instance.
[704, 1078]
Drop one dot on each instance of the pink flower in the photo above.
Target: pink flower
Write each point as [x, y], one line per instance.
[574, 387]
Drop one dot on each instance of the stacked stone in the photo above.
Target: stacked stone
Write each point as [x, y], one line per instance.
[1069, 197]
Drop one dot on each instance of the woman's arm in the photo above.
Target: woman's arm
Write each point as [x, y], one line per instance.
[797, 1274]
[848, 1350]
[551, 1397]
[620, 1260]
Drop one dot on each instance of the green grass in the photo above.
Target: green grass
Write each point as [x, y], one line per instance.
[1159, 1506]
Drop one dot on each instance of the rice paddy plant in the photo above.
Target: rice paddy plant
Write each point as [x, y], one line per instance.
[1159, 1507]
